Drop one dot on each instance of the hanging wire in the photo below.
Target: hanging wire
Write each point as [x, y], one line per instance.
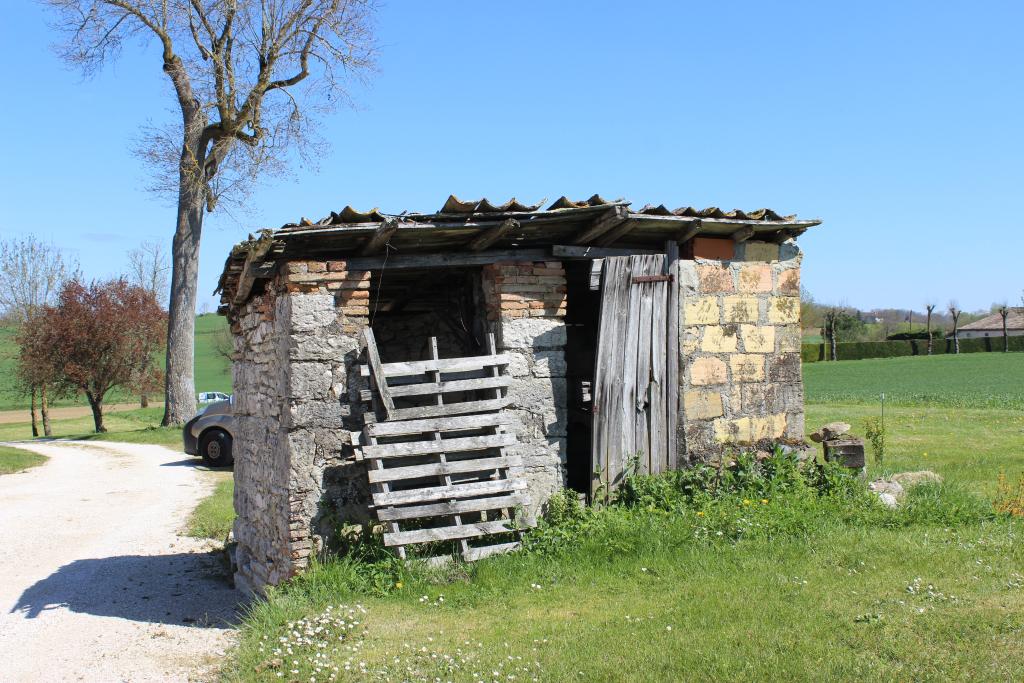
[380, 280]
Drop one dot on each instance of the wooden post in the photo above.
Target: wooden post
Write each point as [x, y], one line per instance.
[673, 362]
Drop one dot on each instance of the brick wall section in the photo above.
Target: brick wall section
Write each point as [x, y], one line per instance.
[740, 343]
[525, 304]
[296, 382]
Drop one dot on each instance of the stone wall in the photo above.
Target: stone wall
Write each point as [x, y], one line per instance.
[296, 382]
[525, 304]
[740, 347]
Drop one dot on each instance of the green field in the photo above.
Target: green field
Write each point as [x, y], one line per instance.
[213, 371]
[973, 380]
[794, 589]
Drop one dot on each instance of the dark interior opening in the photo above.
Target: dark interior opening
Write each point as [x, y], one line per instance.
[583, 306]
[409, 306]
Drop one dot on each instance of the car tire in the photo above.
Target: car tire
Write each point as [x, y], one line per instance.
[215, 448]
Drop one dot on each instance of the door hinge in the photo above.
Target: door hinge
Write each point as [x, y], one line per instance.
[651, 278]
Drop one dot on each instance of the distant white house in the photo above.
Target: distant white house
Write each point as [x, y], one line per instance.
[992, 326]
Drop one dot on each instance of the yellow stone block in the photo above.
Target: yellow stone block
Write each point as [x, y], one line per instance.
[767, 427]
[755, 278]
[789, 282]
[784, 310]
[719, 339]
[789, 339]
[747, 367]
[690, 340]
[702, 310]
[707, 371]
[740, 309]
[702, 405]
[758, 338]
[736, 431]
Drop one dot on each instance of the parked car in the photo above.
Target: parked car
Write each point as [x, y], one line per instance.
[213, 397]
[210, 434]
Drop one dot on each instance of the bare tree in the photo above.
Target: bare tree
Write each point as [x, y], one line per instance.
[954, 313]
[1003, 312]
[928, 329]
[148, 268]
[830, 332]
[248, 78]
[32, 273]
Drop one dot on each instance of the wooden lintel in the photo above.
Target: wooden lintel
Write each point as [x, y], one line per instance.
[380, 237]
[688, 233]
[446, 260]
[743, 234]
[492, 235]
[575, 252]
[254, 268]
[605, 222]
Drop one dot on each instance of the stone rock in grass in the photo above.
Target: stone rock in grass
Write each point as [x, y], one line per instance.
[830, 431]
[887, 488]
[908, 479]
[888, 500]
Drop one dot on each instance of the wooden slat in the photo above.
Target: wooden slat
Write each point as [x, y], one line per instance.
[480, 553]
[630, 344]
[443, 387]
[491, 235]
[455, 491]
[618, 232]
[447, 533]
[743, 234]
[379, 378]
[672, 394]
[563, 251]
[441, 424]
[645, 314]
[608, 371]
[657, 408]
[449, 409]
[457, 445]
[687, 234]
[452, 507]
[418, 367]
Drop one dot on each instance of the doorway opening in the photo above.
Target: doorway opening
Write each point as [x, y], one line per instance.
[583, 306]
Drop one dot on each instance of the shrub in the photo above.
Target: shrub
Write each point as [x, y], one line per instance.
[812, 353]
[1009, 499]
[874, 429]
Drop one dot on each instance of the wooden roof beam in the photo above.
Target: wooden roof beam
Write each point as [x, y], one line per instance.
[375, 243]
[491, 235]
[689, 232]
[605, 222]
[743, 234]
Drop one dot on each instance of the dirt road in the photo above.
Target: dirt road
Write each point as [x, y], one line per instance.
[8, 417]
[95, 582]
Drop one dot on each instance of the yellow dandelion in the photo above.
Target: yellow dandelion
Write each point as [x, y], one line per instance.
[764, 501]
[398, 585]
[746, 502]
[700, 513]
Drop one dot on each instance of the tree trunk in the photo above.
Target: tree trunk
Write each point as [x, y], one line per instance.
[144, 401]
[32, 409]
[832, 338]
[928, 332]
[180, 404]
[97, 413]
[1006, 340]
[956, 336]
[44, 404]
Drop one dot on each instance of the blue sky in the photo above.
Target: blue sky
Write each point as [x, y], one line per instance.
[898, 124]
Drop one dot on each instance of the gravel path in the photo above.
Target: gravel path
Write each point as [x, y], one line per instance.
[95, 582]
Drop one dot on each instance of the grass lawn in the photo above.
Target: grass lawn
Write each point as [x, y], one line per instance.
[16, 459]
[930, 592]
[214, 514]
[131, 426]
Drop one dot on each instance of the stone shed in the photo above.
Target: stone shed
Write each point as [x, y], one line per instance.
[617, 335]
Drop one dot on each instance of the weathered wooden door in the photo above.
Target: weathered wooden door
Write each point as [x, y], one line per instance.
[636, 373]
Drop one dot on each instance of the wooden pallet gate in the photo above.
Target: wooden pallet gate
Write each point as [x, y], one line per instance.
[435, 449]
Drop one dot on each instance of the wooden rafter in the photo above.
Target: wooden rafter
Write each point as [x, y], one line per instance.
[492, 235]
[380, 237]
[605, 222]
[612, 236]
[743, 234]
[689, 232]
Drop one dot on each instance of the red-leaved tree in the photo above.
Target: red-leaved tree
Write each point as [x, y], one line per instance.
[100, 336]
